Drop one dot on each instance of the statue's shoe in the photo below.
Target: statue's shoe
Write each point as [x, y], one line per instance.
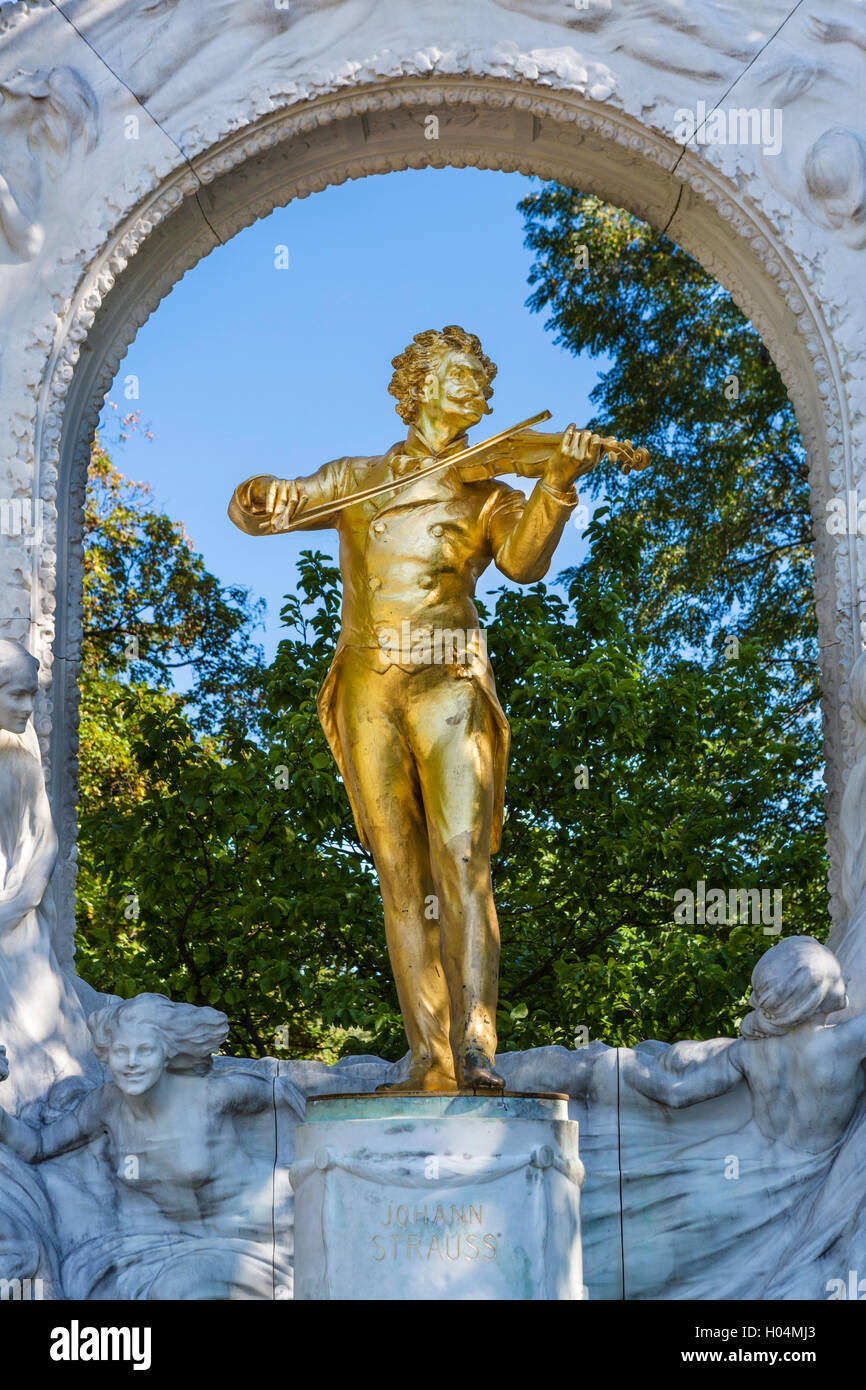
[423, 1079]
[478, 1073]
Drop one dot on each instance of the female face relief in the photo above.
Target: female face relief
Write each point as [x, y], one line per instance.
[136, 1058]
[19, 682]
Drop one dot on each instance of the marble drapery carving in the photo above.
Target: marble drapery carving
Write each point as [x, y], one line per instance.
[42, 1024]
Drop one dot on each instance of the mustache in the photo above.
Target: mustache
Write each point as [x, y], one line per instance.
[476, 399]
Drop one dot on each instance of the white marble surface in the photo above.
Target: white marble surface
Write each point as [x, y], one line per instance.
[408, 1198]
[42, 1023]
[848, 938]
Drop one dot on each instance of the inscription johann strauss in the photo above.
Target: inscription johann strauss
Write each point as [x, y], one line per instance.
[451, 1239]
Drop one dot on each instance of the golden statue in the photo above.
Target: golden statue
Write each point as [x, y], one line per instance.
[409, 704]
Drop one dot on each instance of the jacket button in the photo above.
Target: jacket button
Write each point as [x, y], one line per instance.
[378, 527]
[437, 530]
[375, 582]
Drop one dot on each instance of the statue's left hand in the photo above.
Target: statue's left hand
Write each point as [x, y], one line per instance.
[578, 453]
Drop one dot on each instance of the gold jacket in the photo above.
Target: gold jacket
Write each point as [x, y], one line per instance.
[415, 556]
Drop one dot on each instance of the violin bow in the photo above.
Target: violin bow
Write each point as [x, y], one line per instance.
[633, 458]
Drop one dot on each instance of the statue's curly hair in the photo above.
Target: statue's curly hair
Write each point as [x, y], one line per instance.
[189, 1032]
[420, 357]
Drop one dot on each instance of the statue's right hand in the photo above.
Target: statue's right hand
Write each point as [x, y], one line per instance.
[277, 496]
[265, 495]
[253, 494]
[4, 1064]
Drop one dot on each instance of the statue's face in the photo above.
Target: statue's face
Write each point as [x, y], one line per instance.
[16, 701]
[457, 388]
[136, 1058]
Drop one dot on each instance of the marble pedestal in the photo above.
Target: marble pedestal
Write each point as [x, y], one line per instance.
[437, 1197]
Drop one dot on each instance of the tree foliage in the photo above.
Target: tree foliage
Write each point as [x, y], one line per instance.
[724, 508]
[153, 614]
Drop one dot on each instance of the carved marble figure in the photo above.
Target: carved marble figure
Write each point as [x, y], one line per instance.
[41, 1020]
[43, 116]
[27, 1227]
[824, 176]
[192, 1212]
[804, 1074]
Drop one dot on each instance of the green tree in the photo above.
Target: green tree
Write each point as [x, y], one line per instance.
[153, 614]
[724, 507]
[250, 889]
[632, 778]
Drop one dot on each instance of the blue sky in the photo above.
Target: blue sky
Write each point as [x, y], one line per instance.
[246, 368]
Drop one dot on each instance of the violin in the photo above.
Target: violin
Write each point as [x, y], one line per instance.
[527, 452]
[520, 450]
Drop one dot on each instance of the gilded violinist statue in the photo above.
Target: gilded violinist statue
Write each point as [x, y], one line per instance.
[415, 726]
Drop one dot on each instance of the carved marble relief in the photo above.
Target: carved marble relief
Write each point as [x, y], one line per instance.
[824, 176]
[41, 1021]
[45, 117]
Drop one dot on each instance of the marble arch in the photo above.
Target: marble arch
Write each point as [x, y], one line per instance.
[138, 134]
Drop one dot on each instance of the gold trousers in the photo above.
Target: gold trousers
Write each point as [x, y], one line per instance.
[419, 753]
